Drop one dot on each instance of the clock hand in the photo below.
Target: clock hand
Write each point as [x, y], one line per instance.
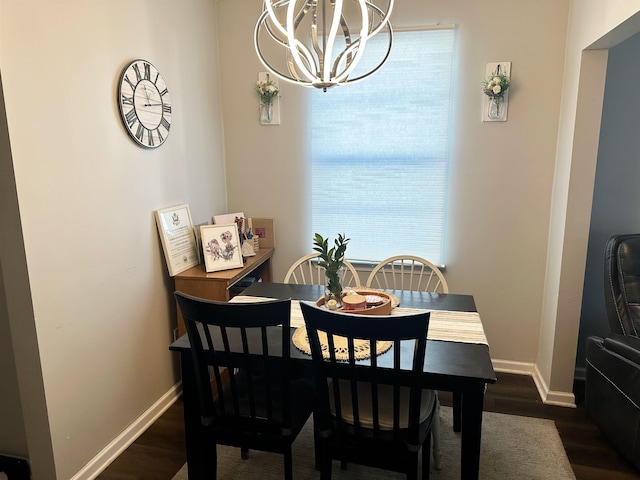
[152, 104]
[146, 94]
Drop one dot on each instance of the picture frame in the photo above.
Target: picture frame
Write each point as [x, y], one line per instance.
[221, 247]
[263, 228]
[196, 230]
[178, 238]
[226, 218]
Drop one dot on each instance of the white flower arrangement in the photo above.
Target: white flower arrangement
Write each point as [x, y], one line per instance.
[267, 91]
[496, 85]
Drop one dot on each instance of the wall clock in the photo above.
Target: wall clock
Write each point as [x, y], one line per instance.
[145, 104]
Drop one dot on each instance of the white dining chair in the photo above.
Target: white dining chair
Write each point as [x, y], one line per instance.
[407, 272]
[306, 271]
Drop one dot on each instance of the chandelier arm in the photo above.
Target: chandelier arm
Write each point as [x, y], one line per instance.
[304, 10]
[274, 36]
[271, 68]
[330, 39]
[348, 46]
[269, 13]
[292, 65]
[266, 21]
[308, 70]
[348, 53]
[368, 74]
[360, 44]
[314, 34]
[270, 7]
[348, 62]
[384, 17]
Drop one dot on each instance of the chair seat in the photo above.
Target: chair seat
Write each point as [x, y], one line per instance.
[301, 394]
[385, 400]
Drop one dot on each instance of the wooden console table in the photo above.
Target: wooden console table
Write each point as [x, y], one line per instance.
[215, 285]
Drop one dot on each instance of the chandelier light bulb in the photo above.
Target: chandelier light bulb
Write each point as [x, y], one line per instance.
[320, 42]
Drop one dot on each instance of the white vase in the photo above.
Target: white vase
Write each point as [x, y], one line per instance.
[266, 113]
[496, 106]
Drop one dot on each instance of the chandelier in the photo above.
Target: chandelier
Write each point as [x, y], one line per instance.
[324, 40]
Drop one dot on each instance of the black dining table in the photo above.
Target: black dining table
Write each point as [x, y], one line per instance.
[458, 367]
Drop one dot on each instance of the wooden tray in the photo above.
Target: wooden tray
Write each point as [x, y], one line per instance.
[383, 309]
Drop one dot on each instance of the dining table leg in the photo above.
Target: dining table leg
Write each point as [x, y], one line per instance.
[457, 410]
[472, 404]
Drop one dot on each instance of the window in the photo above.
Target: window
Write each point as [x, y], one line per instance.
[379, 151]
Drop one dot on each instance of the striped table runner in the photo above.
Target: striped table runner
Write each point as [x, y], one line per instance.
[452, 326]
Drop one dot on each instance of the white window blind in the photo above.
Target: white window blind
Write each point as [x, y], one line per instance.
[379, 151]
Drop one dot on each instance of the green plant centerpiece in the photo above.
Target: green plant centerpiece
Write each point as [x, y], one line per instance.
[332, 260]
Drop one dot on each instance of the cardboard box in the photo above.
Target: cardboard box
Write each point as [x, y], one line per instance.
[263, 229]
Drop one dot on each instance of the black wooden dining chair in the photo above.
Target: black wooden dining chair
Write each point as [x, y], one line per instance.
[258, 405]
[376, 413]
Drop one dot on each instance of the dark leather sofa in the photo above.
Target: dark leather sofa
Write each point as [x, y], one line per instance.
[612, 389]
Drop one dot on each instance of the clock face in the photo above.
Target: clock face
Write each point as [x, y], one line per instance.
[145, 104]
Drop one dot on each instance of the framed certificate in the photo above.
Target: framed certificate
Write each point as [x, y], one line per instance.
[178, 238]
[221, 247]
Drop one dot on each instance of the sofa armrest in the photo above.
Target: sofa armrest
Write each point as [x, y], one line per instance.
[612, 391]
[624, 345]
[614, 365]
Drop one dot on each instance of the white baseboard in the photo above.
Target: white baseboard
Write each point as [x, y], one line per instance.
[548, 397]
[552, 397]
[119, 444]
[508, 366]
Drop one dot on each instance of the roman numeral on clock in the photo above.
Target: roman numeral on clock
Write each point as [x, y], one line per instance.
[131, 117]
[131, 84]
[136, 68]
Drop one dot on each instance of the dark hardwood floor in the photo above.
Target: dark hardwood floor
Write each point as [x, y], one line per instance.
[159, 453]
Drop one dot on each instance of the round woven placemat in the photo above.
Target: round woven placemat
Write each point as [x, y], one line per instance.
[362, 350]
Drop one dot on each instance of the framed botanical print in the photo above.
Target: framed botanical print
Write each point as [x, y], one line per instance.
[221, 247]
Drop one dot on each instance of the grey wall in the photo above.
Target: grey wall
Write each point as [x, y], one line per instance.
[13, 439]
[616, 195]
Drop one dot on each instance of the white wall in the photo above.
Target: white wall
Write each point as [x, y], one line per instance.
[606, 22]
[101, 296]
[500, 176]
